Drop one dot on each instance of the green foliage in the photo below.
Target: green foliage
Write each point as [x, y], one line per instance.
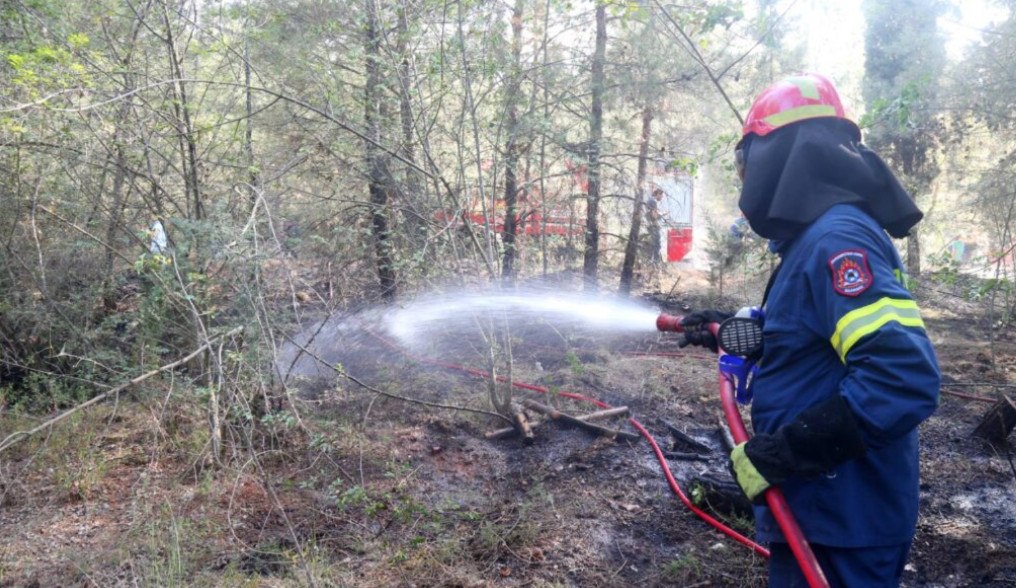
[721, 148]
[157, 316]
[683, 569]
[902, 111]
[995, 285]
[47, 69]
[737, 265]
[175, 544]
[41, 392]
[945, 268]
[574, 363]
[687, 165]
[905, 58]
[78, 40]
[697, 493]
[702, 18]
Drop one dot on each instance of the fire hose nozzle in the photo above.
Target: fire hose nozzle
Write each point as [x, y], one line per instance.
[669, 322]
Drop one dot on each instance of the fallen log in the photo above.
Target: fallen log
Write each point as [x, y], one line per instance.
[529, 437]
[604, 414]
[725, 436]
[686, 456]
[557, 415]
[522, 424]
[682, 438]
[501, 433]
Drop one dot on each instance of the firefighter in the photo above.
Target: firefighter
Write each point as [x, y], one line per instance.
[653, 218]
[847, 372]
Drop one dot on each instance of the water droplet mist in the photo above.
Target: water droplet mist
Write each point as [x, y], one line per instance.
[418, 320]
[461, 326]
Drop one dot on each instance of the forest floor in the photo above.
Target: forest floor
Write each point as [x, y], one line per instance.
[356, 489]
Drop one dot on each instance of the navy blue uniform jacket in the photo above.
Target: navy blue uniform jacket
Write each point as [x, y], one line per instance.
[839, 320]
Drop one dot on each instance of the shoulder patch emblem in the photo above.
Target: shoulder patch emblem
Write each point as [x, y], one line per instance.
[851, 274]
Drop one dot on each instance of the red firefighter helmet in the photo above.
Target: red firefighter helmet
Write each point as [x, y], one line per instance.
[790, 100]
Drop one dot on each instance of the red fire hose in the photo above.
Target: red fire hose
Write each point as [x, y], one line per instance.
[774, 497]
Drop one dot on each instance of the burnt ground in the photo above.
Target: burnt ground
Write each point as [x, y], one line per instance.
[352, 488]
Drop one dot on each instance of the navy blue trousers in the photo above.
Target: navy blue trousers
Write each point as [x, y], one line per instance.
[867, 567]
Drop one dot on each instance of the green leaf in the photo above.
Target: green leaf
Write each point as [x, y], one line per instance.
[78, 40]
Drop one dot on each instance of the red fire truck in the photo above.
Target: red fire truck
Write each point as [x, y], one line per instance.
[675, 213]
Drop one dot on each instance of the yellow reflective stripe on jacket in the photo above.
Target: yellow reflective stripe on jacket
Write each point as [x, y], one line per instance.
[800, 113]
[868, 319]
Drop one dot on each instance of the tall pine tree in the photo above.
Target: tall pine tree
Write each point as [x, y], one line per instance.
[904, 59]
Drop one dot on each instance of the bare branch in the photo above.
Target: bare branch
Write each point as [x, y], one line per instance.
[370, 388]
[19, 436]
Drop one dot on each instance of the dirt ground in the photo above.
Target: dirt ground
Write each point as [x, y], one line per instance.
[354, 488]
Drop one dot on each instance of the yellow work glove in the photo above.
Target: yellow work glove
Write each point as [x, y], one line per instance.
[751, 481]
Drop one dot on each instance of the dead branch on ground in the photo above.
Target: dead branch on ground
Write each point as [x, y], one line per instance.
[557, 415]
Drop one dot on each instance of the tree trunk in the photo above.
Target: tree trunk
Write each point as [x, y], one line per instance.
[632, 247]
[405, 105]
[119, 197]
[914, 252]
[248, 136]
[592, 244]
[414, 185]
[486, 208]
[121, 164]
[511, 157]
[182, 109]
[377, 168]
[543, 138]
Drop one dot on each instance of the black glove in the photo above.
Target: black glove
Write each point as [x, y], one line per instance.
[695, 327]
[820, 438]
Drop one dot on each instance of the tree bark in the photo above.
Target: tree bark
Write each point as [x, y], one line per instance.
[592, 237]
[377, 168]
[914, 252]
[486, 208]
[632, 247]
[543, 138]
[185, 127]
[254, 177]
[120, 178]
[511, 158]
[119, 181]
[414, 185]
